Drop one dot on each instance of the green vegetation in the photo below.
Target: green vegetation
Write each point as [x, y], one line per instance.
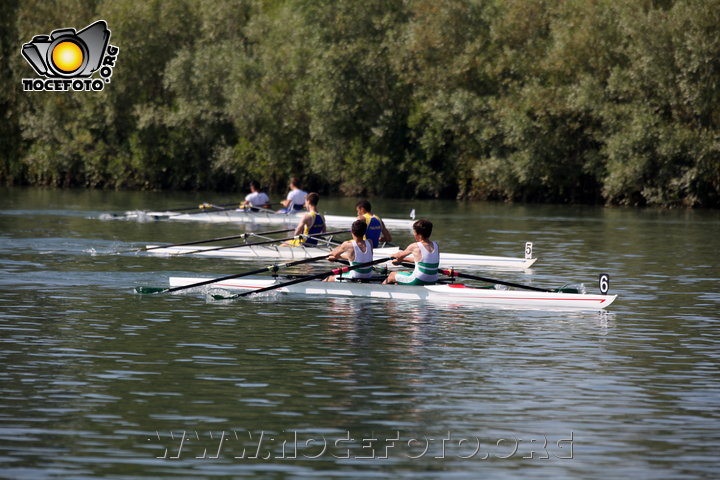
[597, 101]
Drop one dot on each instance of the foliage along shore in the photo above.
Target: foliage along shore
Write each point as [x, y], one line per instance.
[592, 101]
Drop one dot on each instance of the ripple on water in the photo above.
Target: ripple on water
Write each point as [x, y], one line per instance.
[103, 381]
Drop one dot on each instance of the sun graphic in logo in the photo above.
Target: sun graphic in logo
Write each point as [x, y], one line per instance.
[67, 56]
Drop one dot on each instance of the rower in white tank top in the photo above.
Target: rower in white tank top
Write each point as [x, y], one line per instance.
[426, 255]
[362, 257]
[426, 271]
[351, 250]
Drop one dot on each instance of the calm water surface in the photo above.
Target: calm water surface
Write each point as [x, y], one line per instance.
[99, 382]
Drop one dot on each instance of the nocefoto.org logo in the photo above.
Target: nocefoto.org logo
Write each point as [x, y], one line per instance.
[67, 59]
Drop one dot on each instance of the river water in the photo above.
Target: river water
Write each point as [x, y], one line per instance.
[99, 382]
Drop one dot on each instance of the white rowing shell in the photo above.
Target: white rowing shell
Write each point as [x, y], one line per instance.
[455, 294]
[256, 218]
[447, 260]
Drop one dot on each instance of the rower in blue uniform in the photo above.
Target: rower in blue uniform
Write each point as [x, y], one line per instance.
[312, 223]
[376, 231]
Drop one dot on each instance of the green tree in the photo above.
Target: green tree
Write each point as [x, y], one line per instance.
[357, 106]
[661, 123]
[10, 145]
[578, 101]
[444, 55]
[265, 100]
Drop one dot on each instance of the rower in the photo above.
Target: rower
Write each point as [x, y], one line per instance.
[256, 198]
[295, 198]
[423, 252]
[312, 223]
[376, 231]
[358, 250]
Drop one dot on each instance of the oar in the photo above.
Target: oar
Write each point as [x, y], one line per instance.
[204, 207]
[316, 276]
[200, 207]
[452, 273]
[207, 206]
[181, 209]
[266, 242]
[271, 268]
[210, 240]
[251, 208]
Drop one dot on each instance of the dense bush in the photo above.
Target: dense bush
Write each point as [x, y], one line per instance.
[593, 101]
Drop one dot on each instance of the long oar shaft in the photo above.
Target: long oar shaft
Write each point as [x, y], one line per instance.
[260, 209]
[267, 242]
[453, 273]
[199, 207]
[210, 240]
[336, 271]
[271, 268]
[208, 208]
[184, 209]
[211, 206]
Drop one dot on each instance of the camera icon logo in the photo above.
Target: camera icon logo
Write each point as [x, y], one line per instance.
[66, 53]
[67, 59]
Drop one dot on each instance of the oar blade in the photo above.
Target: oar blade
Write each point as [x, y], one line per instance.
[150, 290]
[219, 296]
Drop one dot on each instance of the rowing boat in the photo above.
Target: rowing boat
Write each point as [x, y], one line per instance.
[252, 218]
[453, 294]
[447, 260]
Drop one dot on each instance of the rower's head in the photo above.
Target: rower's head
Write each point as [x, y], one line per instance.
[363, 207]
[423, 229]
[311, 200]
[358, 229]
[254, 186]
[294, 182]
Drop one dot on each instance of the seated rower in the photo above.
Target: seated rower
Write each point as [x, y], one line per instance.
[312, 223]
[295, 198]
[356, 251]
[255, 199]
[376, 231]
[424, 253]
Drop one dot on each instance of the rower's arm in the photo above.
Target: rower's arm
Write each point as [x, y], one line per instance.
[385, 237]
[301, 225]
[343, 248]
[408, 252]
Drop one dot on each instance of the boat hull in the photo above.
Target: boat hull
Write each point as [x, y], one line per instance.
[256, 218]
[447, 260]
[454, 294]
